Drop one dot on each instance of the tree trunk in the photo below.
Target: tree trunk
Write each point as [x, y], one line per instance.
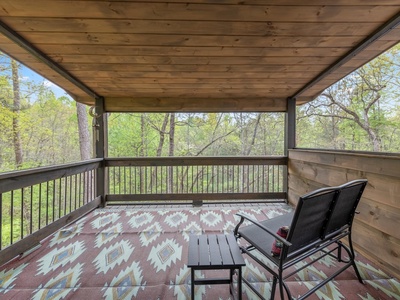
[377, 145]
[162, 135]
[141, 153]
[171, 150]
[84, 146]
[83, 129]
[26, 215]
[16, 109]
[159, 148]
[172, 135]
[253, 139]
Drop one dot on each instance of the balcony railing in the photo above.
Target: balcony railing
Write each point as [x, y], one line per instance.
[195, 178]
[35, 203]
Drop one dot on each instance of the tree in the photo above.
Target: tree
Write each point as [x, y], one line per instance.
[172, 124]
[83, 129]
[357, 108]
[196, 134]
[37, 128]
[16, 110]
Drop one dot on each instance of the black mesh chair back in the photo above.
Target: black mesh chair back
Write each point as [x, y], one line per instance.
[311, 214]
[319, 224]
[345, 206]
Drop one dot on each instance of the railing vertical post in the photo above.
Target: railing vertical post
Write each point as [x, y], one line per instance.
[290, 135]
[100, 132]
[1, 221]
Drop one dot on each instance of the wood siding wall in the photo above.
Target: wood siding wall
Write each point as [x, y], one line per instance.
[375, 229]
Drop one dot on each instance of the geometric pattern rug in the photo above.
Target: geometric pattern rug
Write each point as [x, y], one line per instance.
[141, 253]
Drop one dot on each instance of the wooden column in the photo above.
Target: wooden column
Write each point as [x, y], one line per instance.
[100, 139]
[290, 125]
[290, 135]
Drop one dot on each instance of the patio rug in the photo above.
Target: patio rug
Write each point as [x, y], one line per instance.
[142, 253]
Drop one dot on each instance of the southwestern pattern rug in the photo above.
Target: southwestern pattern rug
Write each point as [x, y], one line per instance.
[141, 253]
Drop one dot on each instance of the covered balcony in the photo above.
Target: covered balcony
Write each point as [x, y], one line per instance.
[202, 56]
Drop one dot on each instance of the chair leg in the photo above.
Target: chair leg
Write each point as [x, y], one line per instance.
[273, 288]
[351, 254]
[357, 272]
[231, 272]
[287, 291]
[281, 285]
[339, 255]
[192, 283]
[353, 260]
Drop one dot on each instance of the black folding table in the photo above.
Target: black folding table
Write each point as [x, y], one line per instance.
[215, 252]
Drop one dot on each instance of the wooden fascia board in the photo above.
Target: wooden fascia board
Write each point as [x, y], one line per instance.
[131, 104]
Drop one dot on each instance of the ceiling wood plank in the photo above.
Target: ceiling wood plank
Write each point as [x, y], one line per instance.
[70, 50]
[273, 2]
[179, 27]
[190, 11]
[183, 60]
[127, 69]
[199, 75]
[189, 40]
[194, 86]
[197, 81]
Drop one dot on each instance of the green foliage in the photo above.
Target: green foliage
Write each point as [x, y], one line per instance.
[26, 210]
[124, 138]
[197, 134]
[357, 113]
[48, 127]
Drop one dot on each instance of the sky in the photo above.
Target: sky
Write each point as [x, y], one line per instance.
[28, 74]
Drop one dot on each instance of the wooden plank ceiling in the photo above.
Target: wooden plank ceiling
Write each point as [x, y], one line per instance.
[200, 55]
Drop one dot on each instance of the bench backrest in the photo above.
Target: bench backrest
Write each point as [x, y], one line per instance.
[344, 209]
[323, 214]
[310, 217]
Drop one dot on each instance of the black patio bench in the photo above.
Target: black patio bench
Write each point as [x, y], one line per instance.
[320, 221]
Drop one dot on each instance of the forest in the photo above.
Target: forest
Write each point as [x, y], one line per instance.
[361, 112]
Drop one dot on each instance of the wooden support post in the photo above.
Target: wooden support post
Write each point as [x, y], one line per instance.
[290, 134]
[290, 124]
[100, 139]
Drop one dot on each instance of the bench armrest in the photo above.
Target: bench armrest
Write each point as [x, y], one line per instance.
[244, 217]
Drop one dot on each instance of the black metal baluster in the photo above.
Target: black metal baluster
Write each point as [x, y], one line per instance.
[12, 218]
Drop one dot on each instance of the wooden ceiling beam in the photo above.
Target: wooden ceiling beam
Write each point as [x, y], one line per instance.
[245, 104]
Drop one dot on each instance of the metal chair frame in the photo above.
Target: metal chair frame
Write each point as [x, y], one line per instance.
[332, 212]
